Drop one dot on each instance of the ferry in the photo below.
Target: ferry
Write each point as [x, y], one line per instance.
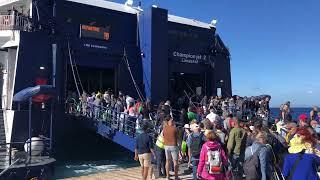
[77, 46]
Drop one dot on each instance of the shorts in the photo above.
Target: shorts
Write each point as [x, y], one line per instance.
[171, 152]
[145, 159]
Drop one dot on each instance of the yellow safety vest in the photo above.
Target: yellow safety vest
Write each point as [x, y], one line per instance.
[159, 142]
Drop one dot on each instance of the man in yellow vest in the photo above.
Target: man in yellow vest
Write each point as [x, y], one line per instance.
[161, 157]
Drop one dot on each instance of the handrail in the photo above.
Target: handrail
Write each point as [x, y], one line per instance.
[18, 142]
[119, 121]
[9, 149]
[5, 170]
[14, 22]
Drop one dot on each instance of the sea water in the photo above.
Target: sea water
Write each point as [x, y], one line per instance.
[87, 153]
[295, 112]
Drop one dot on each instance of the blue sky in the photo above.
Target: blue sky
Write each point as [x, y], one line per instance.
[275, 45]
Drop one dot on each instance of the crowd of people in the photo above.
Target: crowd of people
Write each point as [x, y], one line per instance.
[234, 142]
[92, 103]
[220, 138]
[121, 111]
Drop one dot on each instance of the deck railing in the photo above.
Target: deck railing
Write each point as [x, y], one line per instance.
[13, 22]
[10, 152]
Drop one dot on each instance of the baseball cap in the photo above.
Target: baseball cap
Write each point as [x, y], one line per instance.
[251, 128]
[186, 126]
[303, 117]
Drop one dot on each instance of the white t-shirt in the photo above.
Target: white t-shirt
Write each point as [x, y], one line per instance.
[212, 117]
[106, 97]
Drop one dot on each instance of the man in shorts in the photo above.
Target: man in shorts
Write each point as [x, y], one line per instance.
[143, 150]
[170, 136]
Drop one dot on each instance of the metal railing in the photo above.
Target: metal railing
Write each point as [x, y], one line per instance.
[118, 121]
[131, 125]
[11, 152]
[13, 22]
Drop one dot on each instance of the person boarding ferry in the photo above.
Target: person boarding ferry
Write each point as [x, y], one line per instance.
[143, 151]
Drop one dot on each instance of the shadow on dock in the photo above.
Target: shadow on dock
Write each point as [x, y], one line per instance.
[132, 173]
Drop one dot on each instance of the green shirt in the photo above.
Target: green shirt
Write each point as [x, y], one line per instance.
[237, 141]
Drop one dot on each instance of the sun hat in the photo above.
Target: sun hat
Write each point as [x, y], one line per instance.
[186, 126]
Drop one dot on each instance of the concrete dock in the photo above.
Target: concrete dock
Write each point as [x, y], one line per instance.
[133, 173]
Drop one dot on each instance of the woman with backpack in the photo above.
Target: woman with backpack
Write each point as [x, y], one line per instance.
[213, 159]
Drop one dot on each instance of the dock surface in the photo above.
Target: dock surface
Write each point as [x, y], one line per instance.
[133, 173]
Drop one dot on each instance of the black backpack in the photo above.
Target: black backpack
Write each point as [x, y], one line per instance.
[196, 144]
[251, 166]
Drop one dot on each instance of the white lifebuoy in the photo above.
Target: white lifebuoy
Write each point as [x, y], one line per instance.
[37, 146]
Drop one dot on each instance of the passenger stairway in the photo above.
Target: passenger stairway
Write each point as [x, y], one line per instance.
[119, 127]
[4, 159]
[2, 129]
